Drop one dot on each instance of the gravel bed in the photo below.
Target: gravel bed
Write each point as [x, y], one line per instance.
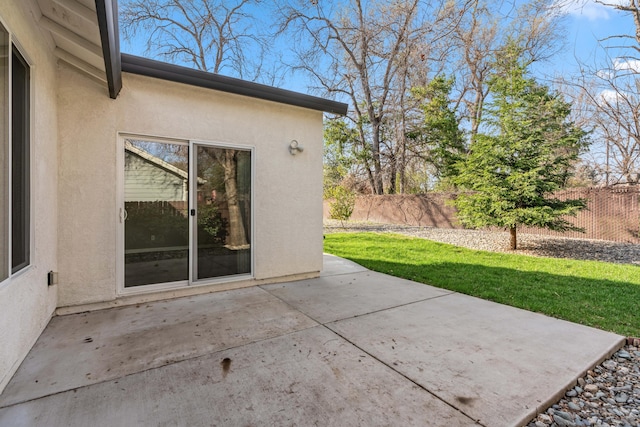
[498, 241]
[609, 394]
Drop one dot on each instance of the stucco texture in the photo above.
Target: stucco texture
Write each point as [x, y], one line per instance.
[287, 189]
[26, 302]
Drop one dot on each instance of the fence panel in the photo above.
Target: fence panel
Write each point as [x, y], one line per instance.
[612, 213]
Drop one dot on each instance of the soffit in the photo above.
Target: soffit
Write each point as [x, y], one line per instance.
[74, 30]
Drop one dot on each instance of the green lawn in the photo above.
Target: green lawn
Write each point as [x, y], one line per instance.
[598, 294]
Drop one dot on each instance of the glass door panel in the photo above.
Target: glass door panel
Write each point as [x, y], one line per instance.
[156, 225]
[222, 196]
[5, 142]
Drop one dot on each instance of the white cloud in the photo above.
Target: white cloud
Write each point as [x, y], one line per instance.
[588, 9]
[609, 95]
[620, 67]
[626, 64]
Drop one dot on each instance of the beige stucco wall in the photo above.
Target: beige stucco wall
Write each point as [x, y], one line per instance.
[287, 189]
[26, 303]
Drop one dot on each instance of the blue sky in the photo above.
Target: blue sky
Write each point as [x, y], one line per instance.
[587, 26]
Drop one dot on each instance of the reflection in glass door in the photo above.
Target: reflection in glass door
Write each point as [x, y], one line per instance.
[156, 226]
[221, 244]
[187, 212]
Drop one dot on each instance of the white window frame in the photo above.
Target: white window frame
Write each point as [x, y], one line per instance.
[13, 43]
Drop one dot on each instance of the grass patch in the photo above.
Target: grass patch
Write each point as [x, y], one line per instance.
[593, 293]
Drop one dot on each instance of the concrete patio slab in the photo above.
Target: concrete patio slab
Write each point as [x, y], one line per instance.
[498, 364]
[388, 352]
[305, 378]
[88, 348]
[330, 298]
[333, 265]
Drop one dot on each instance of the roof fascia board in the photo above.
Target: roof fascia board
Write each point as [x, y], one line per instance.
[162, 70]
[107, 11]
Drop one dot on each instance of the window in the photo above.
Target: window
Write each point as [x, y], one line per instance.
[15, 107]
[20, 236]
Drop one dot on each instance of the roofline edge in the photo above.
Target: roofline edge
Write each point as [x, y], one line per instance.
[165, 71]
[107, 11]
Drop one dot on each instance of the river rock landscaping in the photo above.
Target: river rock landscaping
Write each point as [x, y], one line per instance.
[607, 396]
[498, 241]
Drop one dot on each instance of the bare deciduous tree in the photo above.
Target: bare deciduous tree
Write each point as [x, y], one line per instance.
[609, 97]
[214, 36]
[610, 104]
[364, 51]
[631, 7]
[487, 27]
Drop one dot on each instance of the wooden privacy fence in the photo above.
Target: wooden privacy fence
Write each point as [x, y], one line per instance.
[613, 213]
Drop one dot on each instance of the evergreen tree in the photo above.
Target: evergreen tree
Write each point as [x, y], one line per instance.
[513, 169]
[439, 139]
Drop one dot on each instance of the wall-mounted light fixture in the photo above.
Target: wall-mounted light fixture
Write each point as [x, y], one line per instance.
[295, 148]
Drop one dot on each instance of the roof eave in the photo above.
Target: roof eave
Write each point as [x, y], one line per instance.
[162, 70]
[116, 62]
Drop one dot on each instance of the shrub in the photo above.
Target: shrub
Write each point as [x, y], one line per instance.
[342, 204]
[213, 228]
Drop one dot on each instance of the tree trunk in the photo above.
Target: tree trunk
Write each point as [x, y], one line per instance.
[367, 168]
[514, 240]
[375, 154]
[237, 236]
[392, 175]
[403, 166]
[377, 174]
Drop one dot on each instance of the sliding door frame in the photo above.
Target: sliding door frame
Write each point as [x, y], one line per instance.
[193, 203]
[192, 281]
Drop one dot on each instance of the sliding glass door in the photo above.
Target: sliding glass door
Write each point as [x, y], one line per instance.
[156, 203]
[187, 212]
[222, 237]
